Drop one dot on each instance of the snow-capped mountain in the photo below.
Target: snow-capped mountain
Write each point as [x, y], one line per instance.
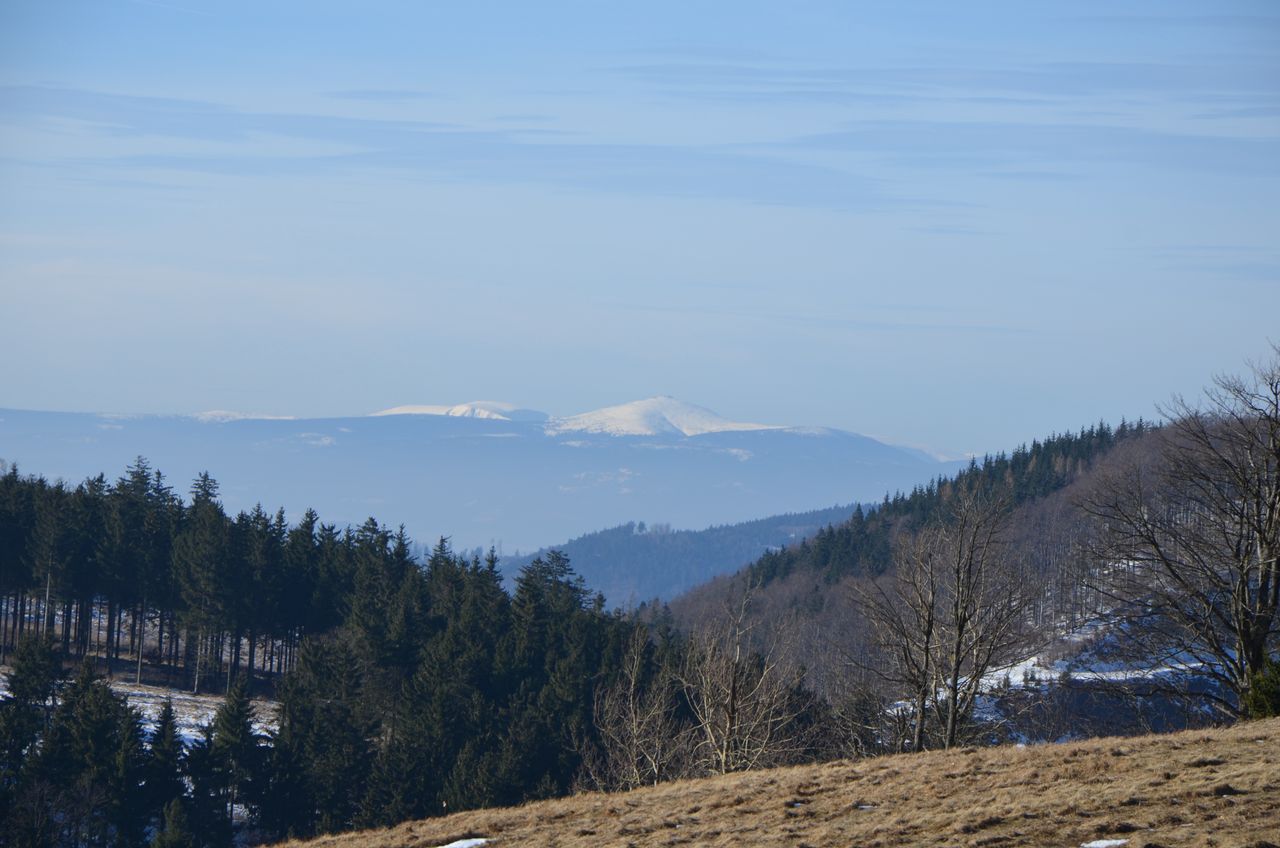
[222, 416]
[653, 416]
[490, 409]
[484, 472]
[650, 417]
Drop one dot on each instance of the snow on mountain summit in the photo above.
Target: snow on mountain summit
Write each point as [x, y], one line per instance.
[490, 409]
[650, 417]
[223, 416]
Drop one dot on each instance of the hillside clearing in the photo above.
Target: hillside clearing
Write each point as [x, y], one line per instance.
[1216, 787]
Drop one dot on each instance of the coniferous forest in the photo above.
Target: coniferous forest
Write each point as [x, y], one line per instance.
[406, 688]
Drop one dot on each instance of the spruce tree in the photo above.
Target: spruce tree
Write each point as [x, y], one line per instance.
[322, 753]
[93, 755]
[207, 810]
[175, 830]
[163, 767]
[200, 563]
[235, 748]
[25, 713]
[1262, 700]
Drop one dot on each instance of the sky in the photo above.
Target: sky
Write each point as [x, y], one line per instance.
[953, 226]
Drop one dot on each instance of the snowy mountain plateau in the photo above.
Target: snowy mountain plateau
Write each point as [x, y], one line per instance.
[484, 473]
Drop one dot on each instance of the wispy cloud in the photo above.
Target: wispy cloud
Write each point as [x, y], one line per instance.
[951, 143]
[383, 95]
[434, 150]
[948, 323]
[1241, 263]
[1196, 22]
[1028, 83]
[134, 115]
[1264, 111]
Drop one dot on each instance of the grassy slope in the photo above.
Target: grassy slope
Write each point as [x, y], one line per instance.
[1202, 788]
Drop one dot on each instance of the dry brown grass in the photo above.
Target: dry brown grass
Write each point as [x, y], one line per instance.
[1199, 788]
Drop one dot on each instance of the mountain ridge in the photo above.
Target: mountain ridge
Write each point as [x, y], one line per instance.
[635, 563]
[651, 416]
[480, 480]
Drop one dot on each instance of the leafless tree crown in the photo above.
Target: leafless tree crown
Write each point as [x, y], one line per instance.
[1189, 538]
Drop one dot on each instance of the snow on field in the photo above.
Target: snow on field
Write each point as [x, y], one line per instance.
[465, 843]
[1085, 656]
[192, 712]
[1104, 843]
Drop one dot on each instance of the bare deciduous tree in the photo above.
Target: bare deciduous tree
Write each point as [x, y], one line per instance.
[1189, 538]
[954, 607]
[904, 610]
[641, 739]
[744, 701]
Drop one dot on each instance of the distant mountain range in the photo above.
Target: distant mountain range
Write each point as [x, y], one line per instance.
[484, 473]
[638, 562]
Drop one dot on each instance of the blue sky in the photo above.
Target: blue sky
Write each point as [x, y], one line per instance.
[958, 226]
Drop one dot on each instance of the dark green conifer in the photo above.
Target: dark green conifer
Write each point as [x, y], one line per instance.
[236, 748]
[175, 830]
[163, 766]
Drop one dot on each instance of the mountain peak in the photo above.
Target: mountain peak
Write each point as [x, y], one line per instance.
[650, 417]
[223, 416]
[490, 409]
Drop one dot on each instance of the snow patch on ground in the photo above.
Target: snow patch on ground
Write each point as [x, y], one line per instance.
[1104, 843]
[192, 712]
[1084, 656]
[465, 843]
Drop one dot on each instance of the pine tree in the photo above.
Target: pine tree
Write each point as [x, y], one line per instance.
[207, 810]
[93, 754]
[25, 713]
[163, 766]
[1262, 700]
[200, 561]
[235, 748]
[175, 831]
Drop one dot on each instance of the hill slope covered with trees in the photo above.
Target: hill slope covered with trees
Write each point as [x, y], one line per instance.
[637, 562]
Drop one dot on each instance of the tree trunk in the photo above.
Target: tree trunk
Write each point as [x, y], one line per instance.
[160, 637]
[195, 689]
[234, 668]
[66, 627]
[141, 627]
[917, 733]
[253, 644]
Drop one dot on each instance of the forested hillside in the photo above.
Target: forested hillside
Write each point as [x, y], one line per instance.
[1151, 553]
[812, 596]
[861, 544]
[405, 688]
[129, 568]
[637, 562]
